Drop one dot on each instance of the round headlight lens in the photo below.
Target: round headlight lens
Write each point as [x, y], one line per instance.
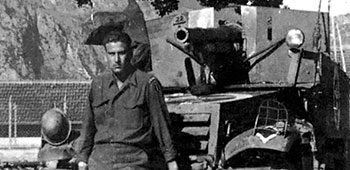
[295, 38]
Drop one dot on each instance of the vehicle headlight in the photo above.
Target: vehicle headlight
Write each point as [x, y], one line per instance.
[295, 38]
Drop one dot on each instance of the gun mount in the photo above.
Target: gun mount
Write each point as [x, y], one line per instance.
[219, 51]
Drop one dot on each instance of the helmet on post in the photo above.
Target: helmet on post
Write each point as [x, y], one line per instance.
[55, 126]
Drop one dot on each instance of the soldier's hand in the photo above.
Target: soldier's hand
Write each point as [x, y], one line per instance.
[172, 165]
[82, 166]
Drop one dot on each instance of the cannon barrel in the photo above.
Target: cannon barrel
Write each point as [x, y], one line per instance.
[222, 33]
[218, 49]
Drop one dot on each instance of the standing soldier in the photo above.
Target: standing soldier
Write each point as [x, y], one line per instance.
[127, 121]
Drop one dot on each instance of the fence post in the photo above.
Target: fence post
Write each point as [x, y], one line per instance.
[65, 104]
[10, 122]
[15, 123]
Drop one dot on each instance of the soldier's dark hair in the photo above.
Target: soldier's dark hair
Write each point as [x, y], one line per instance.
[115, 36]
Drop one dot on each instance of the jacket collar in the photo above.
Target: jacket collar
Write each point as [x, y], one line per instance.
[131, 80]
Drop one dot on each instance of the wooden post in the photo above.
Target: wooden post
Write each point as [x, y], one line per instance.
[10, 122]
[65, 104]
[15, 124]
[335, 55]
[341, 48]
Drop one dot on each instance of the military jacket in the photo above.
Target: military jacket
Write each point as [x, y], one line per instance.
[133, 116]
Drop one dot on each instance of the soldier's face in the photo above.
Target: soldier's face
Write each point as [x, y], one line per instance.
[118, 56]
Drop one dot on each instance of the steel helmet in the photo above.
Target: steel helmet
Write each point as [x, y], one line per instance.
[55, 126]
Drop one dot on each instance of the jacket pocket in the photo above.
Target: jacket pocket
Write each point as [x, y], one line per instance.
[133, 103]
[99, 109]
[135, 111]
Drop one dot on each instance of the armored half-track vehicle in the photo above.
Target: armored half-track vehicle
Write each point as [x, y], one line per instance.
[261, 89]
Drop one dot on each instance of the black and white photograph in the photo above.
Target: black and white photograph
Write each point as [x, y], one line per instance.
[174, 85]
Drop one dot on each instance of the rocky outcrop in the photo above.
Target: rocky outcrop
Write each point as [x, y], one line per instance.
[44, 39]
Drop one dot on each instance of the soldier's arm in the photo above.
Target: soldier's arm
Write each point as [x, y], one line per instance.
[87, 133]
[160, 119]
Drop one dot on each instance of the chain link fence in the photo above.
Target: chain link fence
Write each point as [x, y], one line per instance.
[23, 103]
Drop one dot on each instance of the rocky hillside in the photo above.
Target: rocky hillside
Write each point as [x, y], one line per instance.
[43, 39]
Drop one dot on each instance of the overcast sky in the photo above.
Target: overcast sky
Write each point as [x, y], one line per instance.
[337, 6]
